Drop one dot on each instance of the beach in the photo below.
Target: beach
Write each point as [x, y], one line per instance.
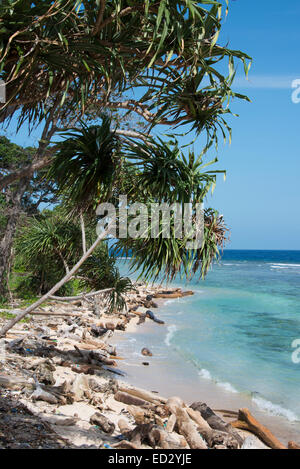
[102, 381]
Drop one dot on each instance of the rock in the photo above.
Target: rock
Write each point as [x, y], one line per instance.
[146, 363]
[146, 352]
[103, 423]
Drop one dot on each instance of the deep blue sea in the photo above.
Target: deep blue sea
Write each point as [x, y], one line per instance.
[238, 328]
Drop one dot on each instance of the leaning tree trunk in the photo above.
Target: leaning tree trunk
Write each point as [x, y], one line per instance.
[14, 211]
[56, 287]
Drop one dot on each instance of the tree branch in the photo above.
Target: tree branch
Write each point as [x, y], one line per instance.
[142, 110]
[82, 296]
[99, 17]
[25, 172]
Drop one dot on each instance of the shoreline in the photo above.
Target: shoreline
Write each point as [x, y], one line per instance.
[197, 384]
[89, 391]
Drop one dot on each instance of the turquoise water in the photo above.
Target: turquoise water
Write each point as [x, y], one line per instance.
[238, 328]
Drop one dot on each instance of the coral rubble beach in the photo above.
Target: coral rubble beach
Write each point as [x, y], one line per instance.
[61, 386]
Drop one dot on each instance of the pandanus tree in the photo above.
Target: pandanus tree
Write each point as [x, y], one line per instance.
[156, 59]
[165, 175]
[64, 60]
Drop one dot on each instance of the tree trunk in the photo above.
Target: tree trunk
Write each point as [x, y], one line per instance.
[56, 287]
[83, 233]
[14, 198]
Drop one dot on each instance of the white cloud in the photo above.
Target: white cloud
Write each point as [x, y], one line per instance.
[265, 81]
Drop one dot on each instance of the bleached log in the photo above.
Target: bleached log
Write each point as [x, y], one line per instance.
[130, 399]
[173, 403]
[202, 425]
[171, 423]
[82, 296]
[188, 430]
[145, 395]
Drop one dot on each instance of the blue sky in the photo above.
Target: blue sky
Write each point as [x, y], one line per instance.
[260, 198]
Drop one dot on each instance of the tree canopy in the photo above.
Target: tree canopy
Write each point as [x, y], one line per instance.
[86, 67]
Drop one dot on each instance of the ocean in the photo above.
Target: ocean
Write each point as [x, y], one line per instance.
[238, 330]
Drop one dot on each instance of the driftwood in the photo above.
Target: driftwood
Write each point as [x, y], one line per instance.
[145, 395]
[214, 438]
[130, 400]
[203, 426]
[60, 420]
[151, 434]
[171, 423]
[151, 315]
[188, 430]
[172, 294]
[148, 314]
[82, 296]
[103, 423]
[140, 415]
[14, 383]
[186, 427]
[247, 422]
[98, 345]
[41, 395]
[94, 358]
[49, 313]
[215, 422]
[293, 445]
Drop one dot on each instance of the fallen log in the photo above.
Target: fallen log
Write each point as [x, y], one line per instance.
[148, 314]
[130, 400]
[203, 426]
[187, 429]
[247, 422]
[171, 423]
[151, 434]
[82, 296]
[142, 394]
[215, 422]
[214, 438]
[103, 423]
[168, 295]
[185, 426]
[92, 357]
[151, 315]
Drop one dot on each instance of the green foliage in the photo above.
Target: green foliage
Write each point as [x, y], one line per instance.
[165, 174]
[52, 243]
[44, 248]
[84, 52]
[165, 257]
[100, 272]
[85, 164]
